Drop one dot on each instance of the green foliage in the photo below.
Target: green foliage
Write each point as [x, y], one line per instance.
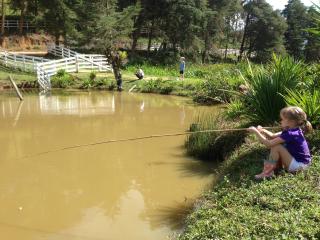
[59, 18]
[61, 80]
[287, 207]
[214, 146]
[264, 31]
[312, 48]
[235, 110]
[213, 91]
[267, 86]
[308, 101]
[296, 15]
[86, 84]
[156, 86]
[92, 76]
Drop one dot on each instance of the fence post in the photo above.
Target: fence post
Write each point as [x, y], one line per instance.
[77, 63]
[15, 61]
[24, 62]
[5, 59]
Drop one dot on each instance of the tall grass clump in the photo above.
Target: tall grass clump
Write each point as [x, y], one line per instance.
[267, 87]
[308, 101]
[214, 146]
[157, 86]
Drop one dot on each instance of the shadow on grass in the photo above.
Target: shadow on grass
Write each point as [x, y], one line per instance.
[243, 165]
[173, 216]
[197, 168]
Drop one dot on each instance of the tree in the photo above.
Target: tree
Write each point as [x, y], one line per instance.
[264, 31]
[59, 18]
[3, 16]
[225, 23]
[110, 29]
[312, 49]
[21, 5]
[295, 36]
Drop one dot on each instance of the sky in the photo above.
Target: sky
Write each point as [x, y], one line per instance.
[279, 4]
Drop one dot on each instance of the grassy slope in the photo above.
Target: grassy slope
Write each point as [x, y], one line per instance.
[237, 207]
[18, 76]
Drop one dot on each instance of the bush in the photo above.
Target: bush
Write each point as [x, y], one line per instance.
[213, 91]
[61, 80]
[308, 101]
[214, 146]
[166, 87]
[92, 76]
[234, 110]
[268, 86]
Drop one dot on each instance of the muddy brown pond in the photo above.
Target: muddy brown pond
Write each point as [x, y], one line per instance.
[126, 190]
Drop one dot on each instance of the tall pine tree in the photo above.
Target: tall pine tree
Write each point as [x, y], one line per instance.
[295, 36]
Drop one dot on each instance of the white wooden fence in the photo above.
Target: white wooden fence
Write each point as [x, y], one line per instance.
[71, 62]
[18, 61]
[15, 24]
[45, 68]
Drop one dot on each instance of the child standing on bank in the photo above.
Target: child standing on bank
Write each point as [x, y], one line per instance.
[288, 148]
[182, 67]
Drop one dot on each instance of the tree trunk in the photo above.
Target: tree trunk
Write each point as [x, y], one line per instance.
[35, 8]
[23, 12]
[150, 36]
[226, 51]
[137, 32]
[244, 36]
[3, 18]
[206, 48]
[57, 37]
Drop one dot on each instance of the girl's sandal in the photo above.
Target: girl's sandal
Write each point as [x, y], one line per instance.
[268, 170]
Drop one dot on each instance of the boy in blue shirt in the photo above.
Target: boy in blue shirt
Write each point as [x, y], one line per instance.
[182, 67]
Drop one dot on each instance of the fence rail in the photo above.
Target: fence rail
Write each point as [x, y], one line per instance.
[45, 68]
[15, 24]
[22, 62]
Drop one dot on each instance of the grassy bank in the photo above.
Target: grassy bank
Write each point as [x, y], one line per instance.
[206, 84]
[237, 207]
[17, 75]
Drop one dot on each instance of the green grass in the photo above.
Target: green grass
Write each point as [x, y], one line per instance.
[237, 207]
[17, 75]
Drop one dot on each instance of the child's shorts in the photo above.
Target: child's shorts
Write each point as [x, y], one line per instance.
[296, 166]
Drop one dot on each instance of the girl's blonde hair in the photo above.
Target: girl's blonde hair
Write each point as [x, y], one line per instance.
[299, 116]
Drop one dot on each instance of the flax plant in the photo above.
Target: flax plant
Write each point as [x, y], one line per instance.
[268, 86]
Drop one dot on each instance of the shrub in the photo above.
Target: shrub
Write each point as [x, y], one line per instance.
[234, 109]
[213, 146]
[309, 102]
[166, 87]
[213, 91]
[267, 86]
[151, 86]
[61, 80]
[92, 76]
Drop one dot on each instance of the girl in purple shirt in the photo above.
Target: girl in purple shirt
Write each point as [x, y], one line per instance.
[288, 148]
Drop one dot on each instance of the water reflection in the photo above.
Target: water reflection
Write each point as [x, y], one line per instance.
[128, 190]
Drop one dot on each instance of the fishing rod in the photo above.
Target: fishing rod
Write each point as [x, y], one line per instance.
[140, 138]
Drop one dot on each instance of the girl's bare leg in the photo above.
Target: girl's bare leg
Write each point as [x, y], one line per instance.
[281, 154]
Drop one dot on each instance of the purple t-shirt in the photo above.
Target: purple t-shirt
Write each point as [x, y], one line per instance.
[296, 145]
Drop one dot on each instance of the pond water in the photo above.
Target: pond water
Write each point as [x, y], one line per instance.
[126, 190]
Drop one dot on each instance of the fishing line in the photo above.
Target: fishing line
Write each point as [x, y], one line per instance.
[138, 138]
